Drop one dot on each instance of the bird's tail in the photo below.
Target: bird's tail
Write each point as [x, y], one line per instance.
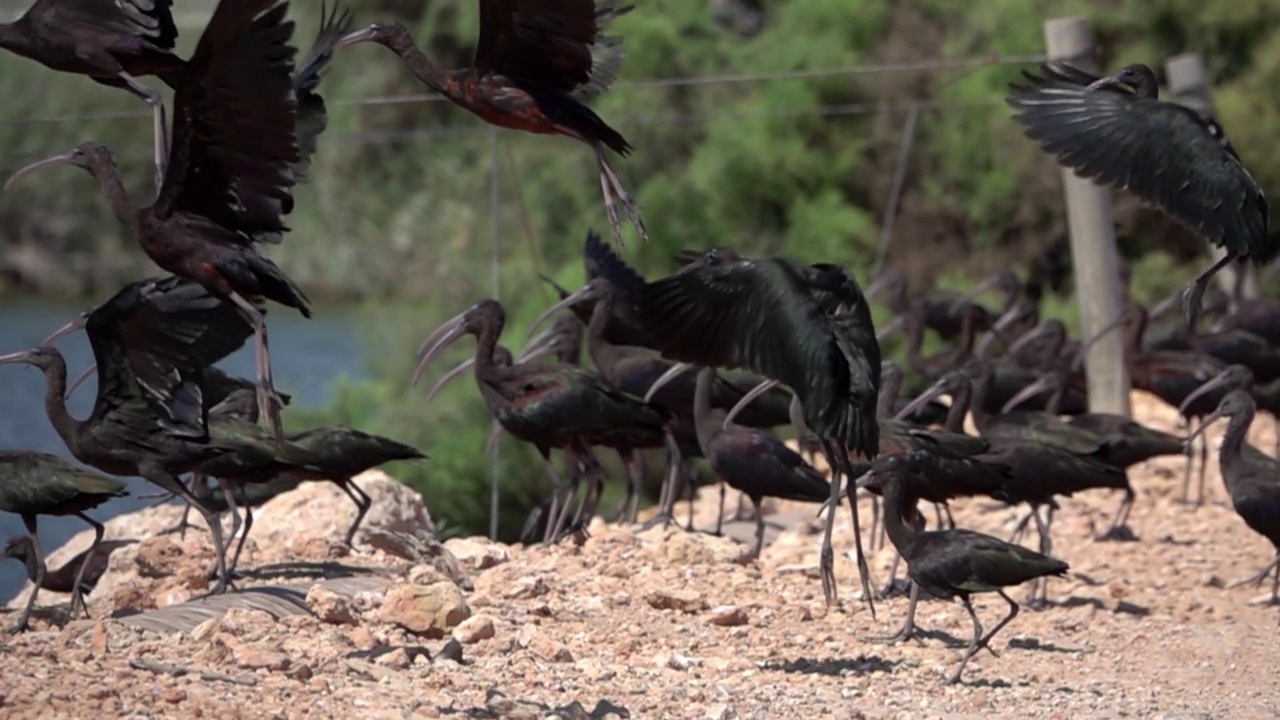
[607, 52]
[273, 284]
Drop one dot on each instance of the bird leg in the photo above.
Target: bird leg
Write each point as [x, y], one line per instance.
[873, 538]
[154, 99]
[610, 185]
[755, 502]
[984, 640]
[944, 510]
[1021, 527]
[228, 491]
[1204, 467]
[77, 594]
[557, 486]
[363, 503]
[908, 631]
[1119, 530]
[1273, 568]
[1039, 597]
[30, 522]
[1193, 295]
[1186, 471]
[268, 402]
[891, 587]
[724, 490]
[838, 457]
[248, 525]
[666, 496]
[155, 473]
[557, 521]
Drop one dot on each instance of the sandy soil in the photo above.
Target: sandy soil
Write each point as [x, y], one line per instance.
[663, 624]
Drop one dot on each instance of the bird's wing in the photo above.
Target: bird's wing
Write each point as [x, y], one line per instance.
[103, 22]
[759, 314]
[600, 261]
[313, 118]
[1164, 153]
[234, 124]
[550, 45]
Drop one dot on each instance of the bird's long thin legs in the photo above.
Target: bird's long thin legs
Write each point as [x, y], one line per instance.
[724, 491]
[981, 641]
[1040, 588]
[838, 457]
[1119, 529]
[611, 186]
[875, 541]
[268, 402]
[1186, 471]
[666, 498]
[30, 522]
[1204, 468]
[77, 594]
[973, 644]
[161, 129]
[363, 503]
[755, 502]
[228, 492]
[557, 487]
[826, 561]
[908, 630]
[1193, 295]
[1272, 569]
[162, 478]
[248, 525]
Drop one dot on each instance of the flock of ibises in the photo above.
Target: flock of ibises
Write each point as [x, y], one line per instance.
[772, 341]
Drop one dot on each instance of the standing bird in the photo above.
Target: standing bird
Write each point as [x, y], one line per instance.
[953, 563]
[233, 146]
[534, 60]
[751, 461]
[114, 43]
[64, 580]
[1252, 479]
[1115, 130]
[36, 483]
[808, 327]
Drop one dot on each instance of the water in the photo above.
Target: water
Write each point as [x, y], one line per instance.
[307, 356]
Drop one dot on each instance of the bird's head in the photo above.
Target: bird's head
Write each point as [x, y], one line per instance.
[86, 155]
[42, 357]
[388, 33]
[485, 316]
[1236, 402]
[1137, 78]
[593, 292]
[17, 547]
[1233, 377]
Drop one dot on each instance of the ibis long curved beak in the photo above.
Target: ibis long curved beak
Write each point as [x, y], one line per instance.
[896, 325]
[934, 391]
[80, 380]
[1229, 378]
[39, 165]
[22, 356]
[449, 377]
[1209, 420]
[359, 36]
[1044, 383]
[590, 292]
[538, 345]
[70, 327]
[671, 374]
[987, 283]
[747, 399]
[1027, 338]
[444, 336]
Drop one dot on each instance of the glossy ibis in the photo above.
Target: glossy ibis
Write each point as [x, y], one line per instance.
[113, 43]
[808, 326]
[535, 60]
[181, 329]
[63, 580]
[954, 563]
[1115, 130]
[751, 461]
[1252, 479]
[36, 483]
[938, 307]
[233, 146]
[913, 322]
[548, 405]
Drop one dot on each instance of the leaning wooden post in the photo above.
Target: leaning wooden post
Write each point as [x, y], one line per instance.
[1189, 84]
[1093, 246]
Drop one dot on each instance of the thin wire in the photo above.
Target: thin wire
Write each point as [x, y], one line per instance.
[990, 60]
[495, 227]
[895, 192]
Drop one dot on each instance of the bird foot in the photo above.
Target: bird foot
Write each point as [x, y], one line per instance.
[18, 627]
[826, 567]
[1035, 603]
[1268, 600]
[894, 588]
[908, 632]
[1118, 533]
[665, 519]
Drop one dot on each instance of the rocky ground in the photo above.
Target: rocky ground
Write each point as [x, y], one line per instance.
[652, 624]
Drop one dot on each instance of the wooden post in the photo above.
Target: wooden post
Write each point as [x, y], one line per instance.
[1189, 85]
[1093, 246]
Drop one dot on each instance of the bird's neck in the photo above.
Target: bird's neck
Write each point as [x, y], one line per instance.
[486, 345]
[603, 353]
[980, 390]
[108, 176]
[1233, 438]
[896, 503]
[55, 405]
[433, 76]
[705, 423]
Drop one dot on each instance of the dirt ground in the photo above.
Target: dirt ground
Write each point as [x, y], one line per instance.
[657, 624]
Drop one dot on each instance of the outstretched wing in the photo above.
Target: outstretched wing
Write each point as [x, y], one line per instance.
[1164, 153]
[550, 45]
[104, 22]
[757, 314]
[313, 118]
[234, 123]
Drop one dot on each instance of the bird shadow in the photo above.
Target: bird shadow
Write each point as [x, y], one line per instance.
[326, 570]
[498, 705]
[1034, 644]
[831, 667]
[1171, 540]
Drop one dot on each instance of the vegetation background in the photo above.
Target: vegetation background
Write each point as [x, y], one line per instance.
[399, 215]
